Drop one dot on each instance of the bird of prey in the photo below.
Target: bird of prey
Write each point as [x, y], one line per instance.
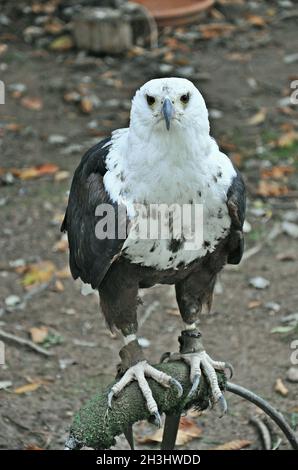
[166, 157]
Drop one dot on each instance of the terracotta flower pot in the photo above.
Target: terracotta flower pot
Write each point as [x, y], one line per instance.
[175, 12]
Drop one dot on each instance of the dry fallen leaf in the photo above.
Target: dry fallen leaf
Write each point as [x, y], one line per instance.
[287, 127]
[108, 74]
[62, 244]
[277, 172]
[281, 388]
[64, 43]
[237, 444]
[175, 44]
[173, 311]
[54, 26]
[35, 104]
[61, 175]
[271, 188]
[47, 7]
[156, 437]
[254, 304]
[257, 118]
[58, 286]
[58, 218]
[63, 273]
[17, 94]
[71, 97]
[27, 388]
[218, 15]
[33, 385]
[189, 426]
[214, 30]
[256, 20]
[32, 447]
[136, 51]
[188, 430]
[39, 334]
[38, 273]
[3, 48]
[238, 56]
[35, 171]
[13, 127]
[287, 139]
[86, 105]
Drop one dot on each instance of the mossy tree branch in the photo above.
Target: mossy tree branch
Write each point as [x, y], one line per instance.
[96, 426]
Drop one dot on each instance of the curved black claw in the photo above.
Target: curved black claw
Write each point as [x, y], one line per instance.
[165, 356]
[195, 384]
[157, 419]
[230, 369]
[222, 405]
[178, 386]
[110, 398]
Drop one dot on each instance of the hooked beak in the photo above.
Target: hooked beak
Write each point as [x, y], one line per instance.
[168, 112]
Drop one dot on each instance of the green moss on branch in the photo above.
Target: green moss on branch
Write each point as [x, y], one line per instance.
[95, 426]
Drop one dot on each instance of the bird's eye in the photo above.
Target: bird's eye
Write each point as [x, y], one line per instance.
[150, 100]
[185, 98]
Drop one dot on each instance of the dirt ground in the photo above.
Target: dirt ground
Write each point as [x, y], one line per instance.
[245, 74]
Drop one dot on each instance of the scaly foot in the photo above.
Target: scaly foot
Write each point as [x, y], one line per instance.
[199, 362]
[193, 353]
[139, 371]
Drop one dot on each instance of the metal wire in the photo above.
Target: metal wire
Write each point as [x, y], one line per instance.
[275, 415]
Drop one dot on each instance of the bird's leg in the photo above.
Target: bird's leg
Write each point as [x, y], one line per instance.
[193, 353]
[135, 367]
[192, 293]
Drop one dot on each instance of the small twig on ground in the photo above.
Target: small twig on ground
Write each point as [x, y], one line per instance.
[263, 430]
[286, 16]
[25, 342]
[17, 423]
[35, 291]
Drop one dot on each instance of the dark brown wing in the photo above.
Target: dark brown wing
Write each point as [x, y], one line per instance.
[236, 203]
[89, 257]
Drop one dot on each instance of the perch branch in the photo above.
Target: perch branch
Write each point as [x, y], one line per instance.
[95, 426]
